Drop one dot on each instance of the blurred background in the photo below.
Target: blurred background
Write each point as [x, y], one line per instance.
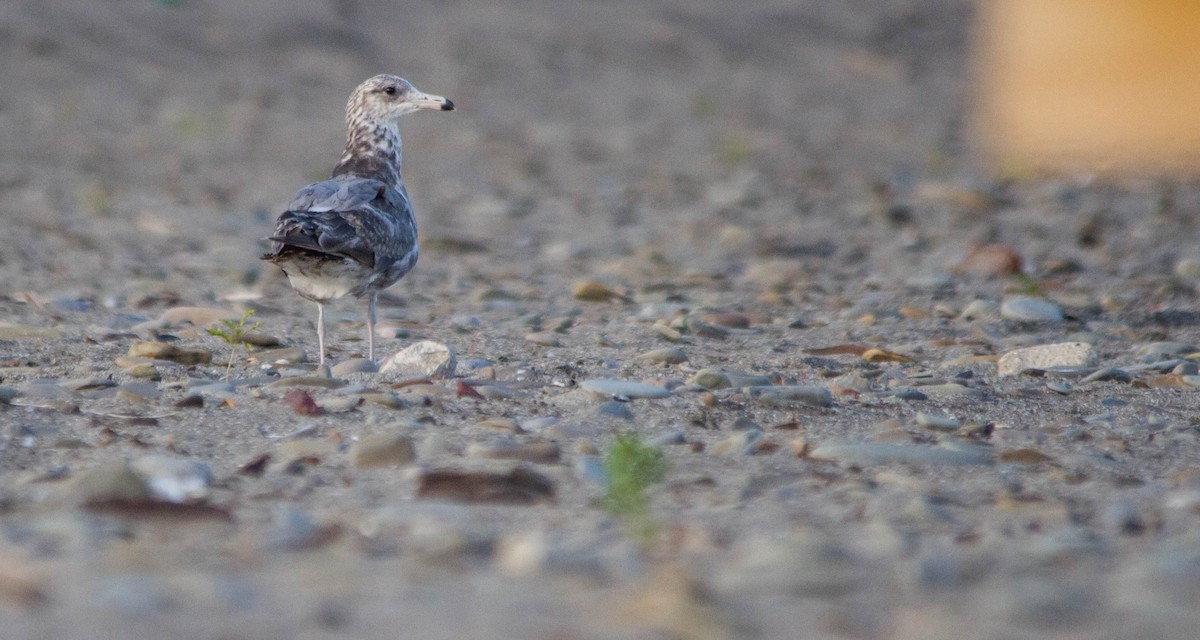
[152, 139]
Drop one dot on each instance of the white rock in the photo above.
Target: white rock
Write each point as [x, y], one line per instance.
[425, 358]
[1062, 354]
[173, 479]
[1030, 309]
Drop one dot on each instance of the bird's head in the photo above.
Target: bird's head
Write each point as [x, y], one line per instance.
[387, 97]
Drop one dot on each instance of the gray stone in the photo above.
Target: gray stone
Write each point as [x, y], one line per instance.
[888, 453]
[1062, 354]
[710, 379]
[1030, 309]
[615, 409]
[666, 355]
[175, 480]
[382, 450]
[938, 422]
[741, 442]
[980, 310]
[623, 388]
[218, 390]
[786, 395]
[425, 358]
[351, 366]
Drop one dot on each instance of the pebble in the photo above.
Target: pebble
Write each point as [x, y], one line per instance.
[980, 310]
[144, 371]
[615, 409]
[169, 352]
[425, 358]
[1062, 354]
[1109, 374]
[672, 437]
[623, 388]
[339, 404]
[543, 338]
[589, 291]
[938, 422]
[509, 449]
[786, 395]
[114, 482]
[175, 480]
[886, 453]
[1060, 387]
[666, 355]
[517, 486]
[666, 333]
[382, 450]
[741, 442]
[711, 379]
[352, 366]
[320, 382]
[1030, 309]
[10, 331]
[218, 390]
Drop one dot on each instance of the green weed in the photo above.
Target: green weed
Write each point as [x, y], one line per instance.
[233, 332]
[632, 467]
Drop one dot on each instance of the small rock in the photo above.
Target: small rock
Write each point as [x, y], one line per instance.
[886, 453]
[711, 379]
[938, 423]
[1062, 354]
[144, 371]
[1030, 309]
[507, 449]
[176, 480]
[667, 333]
[382, 450]
[741, 442]
[980, 310]
[352, 366]
[519, 486]
[543, 338]
[110, 483]
[623, 389]
[951, 390]
[786, 395]
[991, 261]
[302, 403]
[1109, 374]
[425, 358]
[218, 390]
[666, 355]
[26, 332]
[589, 291]
[165, 351]
[615, 409]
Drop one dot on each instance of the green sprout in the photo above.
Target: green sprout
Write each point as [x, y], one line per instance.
[631, 468]
[1026, 284]
[233, 332]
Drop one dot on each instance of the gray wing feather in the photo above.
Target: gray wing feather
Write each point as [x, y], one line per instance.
[361, 219]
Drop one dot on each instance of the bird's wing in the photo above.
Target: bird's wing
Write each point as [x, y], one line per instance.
[364, 220]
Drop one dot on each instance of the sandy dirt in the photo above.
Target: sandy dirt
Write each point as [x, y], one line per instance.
[785, 193]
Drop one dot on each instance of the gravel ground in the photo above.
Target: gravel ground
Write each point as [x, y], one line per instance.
[900, 397]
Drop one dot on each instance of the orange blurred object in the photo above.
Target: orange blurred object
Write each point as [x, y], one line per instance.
[1107, 85]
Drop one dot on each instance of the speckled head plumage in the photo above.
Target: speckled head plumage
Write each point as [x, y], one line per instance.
[373, 141]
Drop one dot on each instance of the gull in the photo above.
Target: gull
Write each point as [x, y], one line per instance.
[354, 234]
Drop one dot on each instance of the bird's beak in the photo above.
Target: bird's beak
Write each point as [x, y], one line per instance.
[428, 101]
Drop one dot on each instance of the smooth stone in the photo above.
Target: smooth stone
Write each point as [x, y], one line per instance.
[175, 480]
[666, 333]
[383, 450]
[1109, 374]
[666, 355]
[623, 388]
[615, 409]
[675, 436]
[351, 366]
[711, 379]
[7, 393]
[508, 449]
[388, 399]
[1161, 350]
[886, 453]
[813, 395]
[938, 422]
[144, 371]
[28, 332]
[114, 482]
[741, 442]
[307, 381]
[218, 390]
[170, 352]
[590, 469]
[539, 425]
[907, 393]
[339, 404]
[517, 486]
[543, 338]
[1030, 309]
[140, 391]
[88, 384]
[980, 310]
[1062, 354]
[282, 356]
[425, 358]
[951, 390]
[1059, 387]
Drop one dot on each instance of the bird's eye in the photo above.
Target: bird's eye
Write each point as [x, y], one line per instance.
[390, 90]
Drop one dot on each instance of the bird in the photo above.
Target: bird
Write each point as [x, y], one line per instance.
[354, 233]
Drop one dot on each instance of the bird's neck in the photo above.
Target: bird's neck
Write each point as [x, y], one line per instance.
[372, 151]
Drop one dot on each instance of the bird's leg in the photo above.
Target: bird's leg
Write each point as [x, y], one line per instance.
[371, 327]
[321, 334]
